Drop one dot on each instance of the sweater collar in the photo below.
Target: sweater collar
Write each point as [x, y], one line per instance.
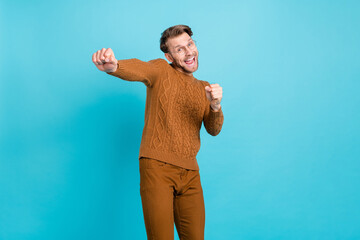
[181, 73]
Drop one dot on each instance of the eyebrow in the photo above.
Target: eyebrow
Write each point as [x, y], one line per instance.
[190, 39]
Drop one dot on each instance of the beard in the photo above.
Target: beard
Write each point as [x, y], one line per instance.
[183, 68]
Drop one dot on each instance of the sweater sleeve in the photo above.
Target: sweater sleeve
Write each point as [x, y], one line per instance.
[139, 71]
[213, 121]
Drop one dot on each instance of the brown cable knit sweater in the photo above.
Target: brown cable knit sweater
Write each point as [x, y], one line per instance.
[176, 106]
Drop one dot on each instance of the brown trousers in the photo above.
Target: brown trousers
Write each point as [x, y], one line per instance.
[171, 194]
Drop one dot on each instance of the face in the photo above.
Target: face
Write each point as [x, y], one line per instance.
[183, 53]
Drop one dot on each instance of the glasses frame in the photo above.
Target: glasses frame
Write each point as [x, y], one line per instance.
[184, 47]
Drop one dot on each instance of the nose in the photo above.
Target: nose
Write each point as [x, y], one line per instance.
[188, 51]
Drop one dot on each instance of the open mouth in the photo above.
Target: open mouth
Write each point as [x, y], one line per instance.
[190, 61]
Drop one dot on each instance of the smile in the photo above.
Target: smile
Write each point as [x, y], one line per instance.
[190, 61]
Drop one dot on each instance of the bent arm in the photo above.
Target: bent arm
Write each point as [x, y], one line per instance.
[137, 70]
[213, 121]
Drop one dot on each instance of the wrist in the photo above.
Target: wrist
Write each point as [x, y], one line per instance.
[215, 107]
[114, 69]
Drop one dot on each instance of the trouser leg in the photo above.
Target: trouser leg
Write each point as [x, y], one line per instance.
[189, 208]
[157, 201]
[170, 193]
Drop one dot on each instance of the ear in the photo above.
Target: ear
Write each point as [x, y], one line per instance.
[169, 57]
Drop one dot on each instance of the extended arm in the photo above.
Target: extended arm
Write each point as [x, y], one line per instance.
[130, 69]
[137, 70]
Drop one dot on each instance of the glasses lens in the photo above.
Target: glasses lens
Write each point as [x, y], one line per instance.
[182, 50]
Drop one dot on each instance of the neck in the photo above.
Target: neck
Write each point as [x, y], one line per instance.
[181, 70]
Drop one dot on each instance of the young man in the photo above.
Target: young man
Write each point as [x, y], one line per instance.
[176, 105]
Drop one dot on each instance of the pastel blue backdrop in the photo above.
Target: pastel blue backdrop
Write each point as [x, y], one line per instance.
[285, 166]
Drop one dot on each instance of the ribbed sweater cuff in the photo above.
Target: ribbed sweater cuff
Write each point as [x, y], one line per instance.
[214, 114]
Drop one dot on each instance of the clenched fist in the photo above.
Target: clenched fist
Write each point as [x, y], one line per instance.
[105, 60]
[214, 94]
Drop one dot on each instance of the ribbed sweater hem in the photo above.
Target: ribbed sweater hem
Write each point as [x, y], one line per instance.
[170, 157]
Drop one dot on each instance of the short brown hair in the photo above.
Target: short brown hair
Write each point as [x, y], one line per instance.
[173, 32]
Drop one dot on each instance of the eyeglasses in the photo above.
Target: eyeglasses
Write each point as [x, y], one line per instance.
[182, 50]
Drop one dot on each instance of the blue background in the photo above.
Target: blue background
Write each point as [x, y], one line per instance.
[285, 166]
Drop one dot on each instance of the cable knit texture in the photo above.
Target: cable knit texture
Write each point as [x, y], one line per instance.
[176, 106]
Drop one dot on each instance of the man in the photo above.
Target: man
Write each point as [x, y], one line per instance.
[176, 105]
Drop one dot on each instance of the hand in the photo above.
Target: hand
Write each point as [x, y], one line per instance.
[105, 60]
[214, 95]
